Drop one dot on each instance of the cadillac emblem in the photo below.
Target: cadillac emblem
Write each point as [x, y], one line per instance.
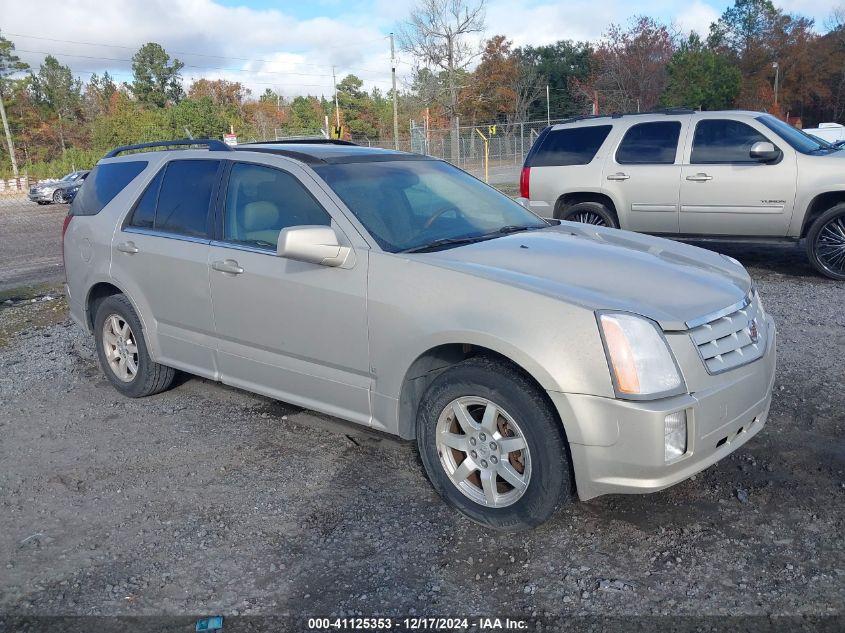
[752, 331]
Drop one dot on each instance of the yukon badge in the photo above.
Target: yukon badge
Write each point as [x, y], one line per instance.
[752, 330]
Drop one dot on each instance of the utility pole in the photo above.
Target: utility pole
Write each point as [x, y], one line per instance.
[548, 107]
[9, 138]
[336, 107]
[776, 66]
[395, 98]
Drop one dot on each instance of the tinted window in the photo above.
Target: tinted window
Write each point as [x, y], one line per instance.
[575, 146]
[261, 201]
[724, 141]
[184, 197]
[145, 210]
[651, 143]
[103, 184]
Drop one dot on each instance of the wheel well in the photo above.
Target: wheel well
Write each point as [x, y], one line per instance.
[97, 293]
[431, 364]
[819, 205]
[567, 200]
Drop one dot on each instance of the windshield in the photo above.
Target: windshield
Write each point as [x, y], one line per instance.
[71, 176]
[798, 139]
[410, 204]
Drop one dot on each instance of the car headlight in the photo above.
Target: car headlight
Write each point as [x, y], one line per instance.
[640, 361]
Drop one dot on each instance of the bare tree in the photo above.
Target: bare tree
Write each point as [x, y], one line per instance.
[437, 35]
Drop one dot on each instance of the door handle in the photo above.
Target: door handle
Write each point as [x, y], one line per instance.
[700, 178]
[127, 247]
[618, 176]
[228, 266]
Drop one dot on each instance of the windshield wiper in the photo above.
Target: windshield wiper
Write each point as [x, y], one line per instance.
[469, 239]
[447, 241]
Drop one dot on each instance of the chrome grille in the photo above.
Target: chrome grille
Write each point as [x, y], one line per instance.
[725, 342]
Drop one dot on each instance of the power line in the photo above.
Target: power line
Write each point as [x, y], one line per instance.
[243, 59]
[217, 68]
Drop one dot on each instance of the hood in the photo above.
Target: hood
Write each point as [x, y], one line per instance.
[607, 269]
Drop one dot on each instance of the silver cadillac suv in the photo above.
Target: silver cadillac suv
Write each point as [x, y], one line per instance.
[685, 174]
[527, 358]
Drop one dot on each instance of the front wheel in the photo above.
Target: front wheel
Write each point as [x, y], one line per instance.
[492, 445]
[826, 243]
[58, 197]
[122, 350]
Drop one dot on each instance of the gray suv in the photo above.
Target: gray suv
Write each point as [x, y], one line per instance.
[686, 174]
[527, 358]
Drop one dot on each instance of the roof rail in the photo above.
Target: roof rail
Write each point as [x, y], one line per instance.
[618, 115]
[315, 141]
[213, 145]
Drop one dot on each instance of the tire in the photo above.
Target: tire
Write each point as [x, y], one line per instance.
[58, 197]
[522, 411]
[594, 213]
[826, 243]
[149, 377]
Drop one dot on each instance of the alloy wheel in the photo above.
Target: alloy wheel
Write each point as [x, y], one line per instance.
[830, 245]
[483, 451]
[121, 347]
[589, 217]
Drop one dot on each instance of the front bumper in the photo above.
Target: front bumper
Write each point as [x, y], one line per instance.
[46, 196]
[617, 446]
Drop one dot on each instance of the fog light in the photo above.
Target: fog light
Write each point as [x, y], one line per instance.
[674, 435]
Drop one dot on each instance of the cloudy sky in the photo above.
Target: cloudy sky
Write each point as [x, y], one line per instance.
[291, 46]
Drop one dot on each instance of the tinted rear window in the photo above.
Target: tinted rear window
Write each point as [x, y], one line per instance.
[145, 210]
[575, 146]
[103, 184]
[184, 197]
[650, 143]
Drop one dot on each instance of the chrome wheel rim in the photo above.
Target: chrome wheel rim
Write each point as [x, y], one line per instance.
[830, 245]
[121, 348]
[483, 451]
[588, 217]
[57, 196]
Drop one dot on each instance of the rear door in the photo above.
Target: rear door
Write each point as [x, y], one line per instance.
[567, 159]
[725, 192]
[289, 329]
[643, 175]
[160, 258]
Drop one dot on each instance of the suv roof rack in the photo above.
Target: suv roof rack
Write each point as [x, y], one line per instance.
[618, 115]
[302, 141]
[213, 145]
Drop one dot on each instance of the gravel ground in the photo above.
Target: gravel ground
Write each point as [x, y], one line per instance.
[30, 235]
[208, 499]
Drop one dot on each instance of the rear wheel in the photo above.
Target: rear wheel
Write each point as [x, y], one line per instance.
[492, 445]
[122, 350]
[826, 243]
[593, 213]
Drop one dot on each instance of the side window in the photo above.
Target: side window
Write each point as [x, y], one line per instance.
[184, 197]
[103, 184]
[723, 141]
[261, 201]
[574, 146]
[650, 143]
[145, 209]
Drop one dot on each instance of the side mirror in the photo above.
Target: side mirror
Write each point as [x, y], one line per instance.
[764, 152]
[312, 244]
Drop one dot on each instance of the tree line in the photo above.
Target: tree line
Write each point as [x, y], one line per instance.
[54, 121]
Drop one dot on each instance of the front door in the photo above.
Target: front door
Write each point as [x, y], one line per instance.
[725, 192]
[289, 329]
[160, 258]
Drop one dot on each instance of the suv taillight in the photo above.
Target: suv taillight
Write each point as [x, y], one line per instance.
[523, 181]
